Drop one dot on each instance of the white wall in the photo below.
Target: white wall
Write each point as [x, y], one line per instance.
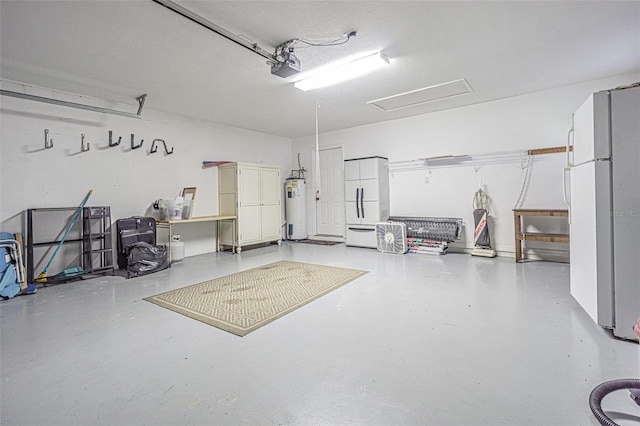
[536, 120]
[127, 180]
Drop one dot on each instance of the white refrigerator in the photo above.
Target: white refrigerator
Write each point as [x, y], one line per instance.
[605, 209]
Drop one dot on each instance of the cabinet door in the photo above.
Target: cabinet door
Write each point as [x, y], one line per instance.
[352, 212]
[271, 213]
[270, 186]
[370, 213]
[249, 186]
[249, 219]
[370, 189]
[270, 222]
[352, 190]
[369, 168]
[351, 170]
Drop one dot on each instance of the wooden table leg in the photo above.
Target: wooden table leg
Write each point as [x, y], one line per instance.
[518, 231]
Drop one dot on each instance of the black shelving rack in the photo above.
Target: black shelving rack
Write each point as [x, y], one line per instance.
[88, 245]
[97, 246]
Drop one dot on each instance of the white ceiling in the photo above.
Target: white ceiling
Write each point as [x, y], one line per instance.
[118, 50]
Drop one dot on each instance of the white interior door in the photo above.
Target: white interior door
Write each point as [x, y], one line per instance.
[330, 206]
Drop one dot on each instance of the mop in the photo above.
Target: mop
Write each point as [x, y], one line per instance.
[481, 212]
[42, 278]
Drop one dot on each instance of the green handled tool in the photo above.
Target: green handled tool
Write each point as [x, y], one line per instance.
[43, 275]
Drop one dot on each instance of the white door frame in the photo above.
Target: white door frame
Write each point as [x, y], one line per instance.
[314, 204]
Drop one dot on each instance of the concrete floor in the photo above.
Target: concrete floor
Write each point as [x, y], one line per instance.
[420, 340]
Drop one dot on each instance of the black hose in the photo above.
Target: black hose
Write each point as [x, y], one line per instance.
[602, 390]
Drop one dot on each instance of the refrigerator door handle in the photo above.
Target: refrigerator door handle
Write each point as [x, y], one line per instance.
[569, 140]
[564, 191]
[362, 201]
[357, 206]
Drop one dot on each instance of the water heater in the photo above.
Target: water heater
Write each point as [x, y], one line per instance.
[296, 208]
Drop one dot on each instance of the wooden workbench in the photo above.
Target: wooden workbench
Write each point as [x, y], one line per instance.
[168, 224]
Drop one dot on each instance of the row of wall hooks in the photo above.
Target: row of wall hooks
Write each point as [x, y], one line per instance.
[85, 146]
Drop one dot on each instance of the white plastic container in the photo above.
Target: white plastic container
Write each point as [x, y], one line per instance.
[170, 209]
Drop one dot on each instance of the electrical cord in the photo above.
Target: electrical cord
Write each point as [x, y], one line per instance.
[280, 50]
[334, 42]
[525, 183]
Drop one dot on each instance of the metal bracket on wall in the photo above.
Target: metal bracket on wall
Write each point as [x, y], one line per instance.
[154, 147]
[140, 100]
[84, 147]
[48, 143]
[133, 145]
[111, 143]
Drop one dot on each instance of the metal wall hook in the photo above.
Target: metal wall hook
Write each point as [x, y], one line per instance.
[133, 145]
[84, 147]
[48, 143]
[154, 147]
[141, 100]
[166, 151]
[111, 143]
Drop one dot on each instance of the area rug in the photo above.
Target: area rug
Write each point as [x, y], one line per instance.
[243, 302]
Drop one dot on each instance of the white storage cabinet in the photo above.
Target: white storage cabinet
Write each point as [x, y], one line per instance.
[366, 189]
[252, 192]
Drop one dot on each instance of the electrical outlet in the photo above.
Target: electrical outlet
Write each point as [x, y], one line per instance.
[426, 179]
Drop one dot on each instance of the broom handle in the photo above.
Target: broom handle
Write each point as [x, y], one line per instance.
[64, 237]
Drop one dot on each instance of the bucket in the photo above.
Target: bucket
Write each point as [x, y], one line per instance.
[170, 210]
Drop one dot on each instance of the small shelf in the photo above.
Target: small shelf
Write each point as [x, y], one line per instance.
[521, 236]
[539, 236]
[54, 243]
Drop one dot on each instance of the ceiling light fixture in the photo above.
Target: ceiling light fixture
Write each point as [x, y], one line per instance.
[342, 71]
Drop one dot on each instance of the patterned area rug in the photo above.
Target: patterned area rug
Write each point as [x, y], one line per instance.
[243, 302]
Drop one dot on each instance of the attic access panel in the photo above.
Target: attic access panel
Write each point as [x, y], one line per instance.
[424, 95]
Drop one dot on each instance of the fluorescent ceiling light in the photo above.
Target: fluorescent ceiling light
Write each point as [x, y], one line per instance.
[342, 72]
